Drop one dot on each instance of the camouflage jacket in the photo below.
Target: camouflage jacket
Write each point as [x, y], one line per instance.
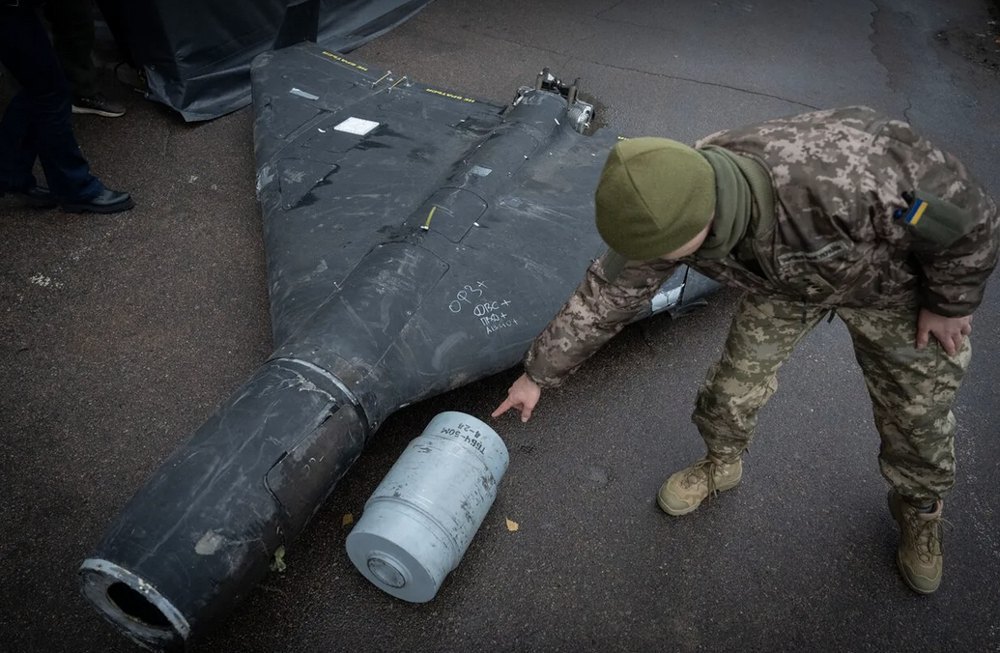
[838, 178]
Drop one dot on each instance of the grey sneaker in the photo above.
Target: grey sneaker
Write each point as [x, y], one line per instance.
[99, 105]
[684, 491]
[920, 556]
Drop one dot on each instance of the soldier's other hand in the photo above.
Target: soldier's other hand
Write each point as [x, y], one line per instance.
[949, 331]
[522, 396]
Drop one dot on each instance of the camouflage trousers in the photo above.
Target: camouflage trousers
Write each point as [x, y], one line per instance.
[911, 390]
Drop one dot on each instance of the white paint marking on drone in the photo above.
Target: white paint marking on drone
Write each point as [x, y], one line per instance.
[301, 93]
[358, 126]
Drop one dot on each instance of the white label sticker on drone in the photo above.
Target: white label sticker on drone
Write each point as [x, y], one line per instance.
[357, 126]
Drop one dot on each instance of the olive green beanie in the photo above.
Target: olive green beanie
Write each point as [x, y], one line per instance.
[654, 196]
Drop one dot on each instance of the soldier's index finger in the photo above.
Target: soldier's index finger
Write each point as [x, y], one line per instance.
[502, 408]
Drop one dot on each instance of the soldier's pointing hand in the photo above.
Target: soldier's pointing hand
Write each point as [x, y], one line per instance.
[523, 396]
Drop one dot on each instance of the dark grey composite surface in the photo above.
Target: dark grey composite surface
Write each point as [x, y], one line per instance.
[119, 334]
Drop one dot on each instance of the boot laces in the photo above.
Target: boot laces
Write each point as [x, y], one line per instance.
[927, 536]
[706, 467]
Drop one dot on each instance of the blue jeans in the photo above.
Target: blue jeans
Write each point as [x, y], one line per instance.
[37, 122]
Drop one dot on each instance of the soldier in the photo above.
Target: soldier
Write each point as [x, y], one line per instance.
[842, 212]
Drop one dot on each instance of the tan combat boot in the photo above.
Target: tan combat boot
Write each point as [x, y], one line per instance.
[684, 491]
[920, 556]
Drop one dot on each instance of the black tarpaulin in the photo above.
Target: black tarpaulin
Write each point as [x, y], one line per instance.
[196, 53]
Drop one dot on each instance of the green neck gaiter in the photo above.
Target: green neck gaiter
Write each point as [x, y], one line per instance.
[741, 186]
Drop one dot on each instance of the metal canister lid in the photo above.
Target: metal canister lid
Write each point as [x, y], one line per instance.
[391, 568]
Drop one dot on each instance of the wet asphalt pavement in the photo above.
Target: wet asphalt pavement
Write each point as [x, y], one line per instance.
[119, 334]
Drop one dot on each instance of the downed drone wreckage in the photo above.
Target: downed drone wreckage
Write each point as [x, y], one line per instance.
[417, 240]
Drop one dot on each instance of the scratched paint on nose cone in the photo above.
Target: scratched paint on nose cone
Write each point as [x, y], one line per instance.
[422, 517]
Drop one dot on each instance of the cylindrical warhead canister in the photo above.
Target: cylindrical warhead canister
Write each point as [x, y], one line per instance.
[423, 515]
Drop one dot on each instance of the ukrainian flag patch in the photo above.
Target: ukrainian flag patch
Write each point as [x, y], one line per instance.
[916, 212]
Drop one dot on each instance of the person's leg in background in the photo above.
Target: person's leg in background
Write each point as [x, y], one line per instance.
[72, 23]
[38, 123]
[38, 118]
[18, 153]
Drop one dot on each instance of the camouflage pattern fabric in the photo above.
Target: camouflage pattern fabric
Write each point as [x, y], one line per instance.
[838, 176]
[609, 297]
[911, 390]
[832, 244]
